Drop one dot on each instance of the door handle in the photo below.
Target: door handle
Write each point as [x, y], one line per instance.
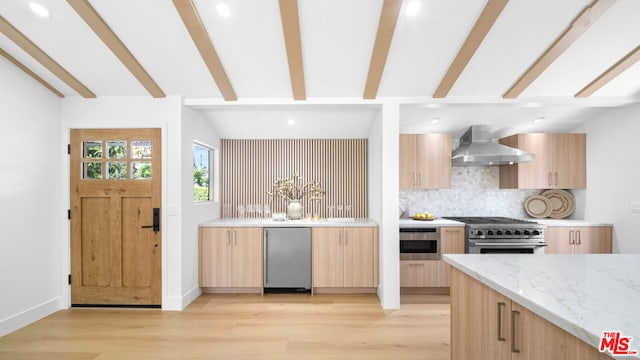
[571, 237]
[578, 237]
[514, 314]
[501, 307]
[156, 221]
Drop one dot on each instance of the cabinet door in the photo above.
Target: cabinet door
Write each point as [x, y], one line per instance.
[247, 257]
[537, 339]
[433, 161]
[215, 257]
[570, 161]
[593, 240]
[328, 257]
[480, 320]
[408, 174]
[451, 242]
[358, 257]
[559, 239]
[537, 174]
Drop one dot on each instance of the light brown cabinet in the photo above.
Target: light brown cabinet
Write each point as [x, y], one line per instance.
[345, 257]
[425, 161]
[578, 240]
[230, 257]
[488, 325]
[560, 163]
[433, 273]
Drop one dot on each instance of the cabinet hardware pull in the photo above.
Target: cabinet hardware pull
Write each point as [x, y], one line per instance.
[228, 237]
[571, 237]
[340, 238]
[419, 179]
[234, 237]
[578, 237]
[416, 264]
[501, 307]
[415, 178]
[556, 178]
[346, 238]
[514, 348]
[549, 178]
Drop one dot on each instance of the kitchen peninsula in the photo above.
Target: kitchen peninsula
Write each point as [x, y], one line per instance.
[505, 307]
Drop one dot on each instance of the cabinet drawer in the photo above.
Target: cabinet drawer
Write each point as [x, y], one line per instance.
[422, 273]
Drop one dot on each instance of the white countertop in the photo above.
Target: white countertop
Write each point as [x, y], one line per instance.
[582, 294]
[257, 222]
[410, 223]
[569, 222]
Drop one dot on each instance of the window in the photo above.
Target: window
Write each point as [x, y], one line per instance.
[202, 174]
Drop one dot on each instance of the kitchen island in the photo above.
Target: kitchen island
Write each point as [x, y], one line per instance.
[514, 305]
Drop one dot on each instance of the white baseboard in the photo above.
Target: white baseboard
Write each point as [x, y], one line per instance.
[190, 296]
[28, 316]
[179, 303]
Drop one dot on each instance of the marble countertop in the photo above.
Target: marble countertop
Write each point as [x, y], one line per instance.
[257, 222]
[410, 223]
[569, 222]
[582, 294]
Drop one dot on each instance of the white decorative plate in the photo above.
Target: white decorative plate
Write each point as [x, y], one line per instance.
[563, 203]
[538, 206]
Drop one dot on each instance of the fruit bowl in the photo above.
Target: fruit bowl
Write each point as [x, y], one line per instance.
[424, 219]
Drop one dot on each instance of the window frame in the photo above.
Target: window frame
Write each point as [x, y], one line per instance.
[213, 172]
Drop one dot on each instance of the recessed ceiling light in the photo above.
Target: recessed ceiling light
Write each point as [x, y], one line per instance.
[413, 7]
[291, 122]
[538, 120]
[432, 106]
[223, 10]
[39, 10]
[435, 120]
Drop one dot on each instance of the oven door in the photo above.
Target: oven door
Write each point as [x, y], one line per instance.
[483, 247]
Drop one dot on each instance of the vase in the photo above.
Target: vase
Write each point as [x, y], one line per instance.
[294, 210]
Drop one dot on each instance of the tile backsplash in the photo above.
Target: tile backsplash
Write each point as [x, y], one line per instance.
[474, 192]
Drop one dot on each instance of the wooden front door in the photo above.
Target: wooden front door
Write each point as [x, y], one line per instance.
[115, 196]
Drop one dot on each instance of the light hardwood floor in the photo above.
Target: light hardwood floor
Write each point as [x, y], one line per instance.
[274, 326]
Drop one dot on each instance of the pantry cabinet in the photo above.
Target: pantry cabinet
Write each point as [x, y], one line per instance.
[345, 257]
[488, 325]
[433, 273]
[230, 258]
[578, 239]
[425, 161]
[560, 162]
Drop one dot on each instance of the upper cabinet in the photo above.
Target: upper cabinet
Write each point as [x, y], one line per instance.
[561, 162]
[425, 161]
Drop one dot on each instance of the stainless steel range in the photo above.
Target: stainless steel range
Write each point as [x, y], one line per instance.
[501, 235]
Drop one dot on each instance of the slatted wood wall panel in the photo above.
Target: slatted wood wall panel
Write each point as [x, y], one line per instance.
[249, 168]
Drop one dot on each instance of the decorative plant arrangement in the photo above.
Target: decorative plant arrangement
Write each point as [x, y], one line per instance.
[295, 189]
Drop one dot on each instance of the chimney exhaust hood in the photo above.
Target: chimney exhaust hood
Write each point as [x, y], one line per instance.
[477, 148]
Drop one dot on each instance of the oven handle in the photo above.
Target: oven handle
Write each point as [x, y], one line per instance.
[510, 244]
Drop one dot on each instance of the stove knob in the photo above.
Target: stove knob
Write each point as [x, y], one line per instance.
[536, 232]
[508, 232]
[479, 232]
[490, 232]
[527, 232]
[517, 232]
[499, 232]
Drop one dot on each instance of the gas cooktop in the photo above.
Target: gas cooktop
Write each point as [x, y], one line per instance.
[485, 220]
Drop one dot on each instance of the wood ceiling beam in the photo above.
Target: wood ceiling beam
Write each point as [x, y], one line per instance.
[616, 69]
[291, 29]
[31, 73]
[578, 26]
[113, 42]
[485, 22]
[386, 28]
[39, 55]
[192, 22]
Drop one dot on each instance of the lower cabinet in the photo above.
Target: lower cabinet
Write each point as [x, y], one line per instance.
[230, 258]
[345, 257]
[433, 273]
[578, 240]
[488, 325]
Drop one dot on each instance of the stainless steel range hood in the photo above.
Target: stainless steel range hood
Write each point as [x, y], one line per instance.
[477, 148]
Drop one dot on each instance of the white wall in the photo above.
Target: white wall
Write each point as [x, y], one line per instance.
[142, 112]
[194, 128]
[31, 209]
[613, 174]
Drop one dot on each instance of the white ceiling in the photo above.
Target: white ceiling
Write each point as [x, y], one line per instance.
[337, 41]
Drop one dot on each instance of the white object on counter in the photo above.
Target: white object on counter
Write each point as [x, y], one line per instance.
[582, 294]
